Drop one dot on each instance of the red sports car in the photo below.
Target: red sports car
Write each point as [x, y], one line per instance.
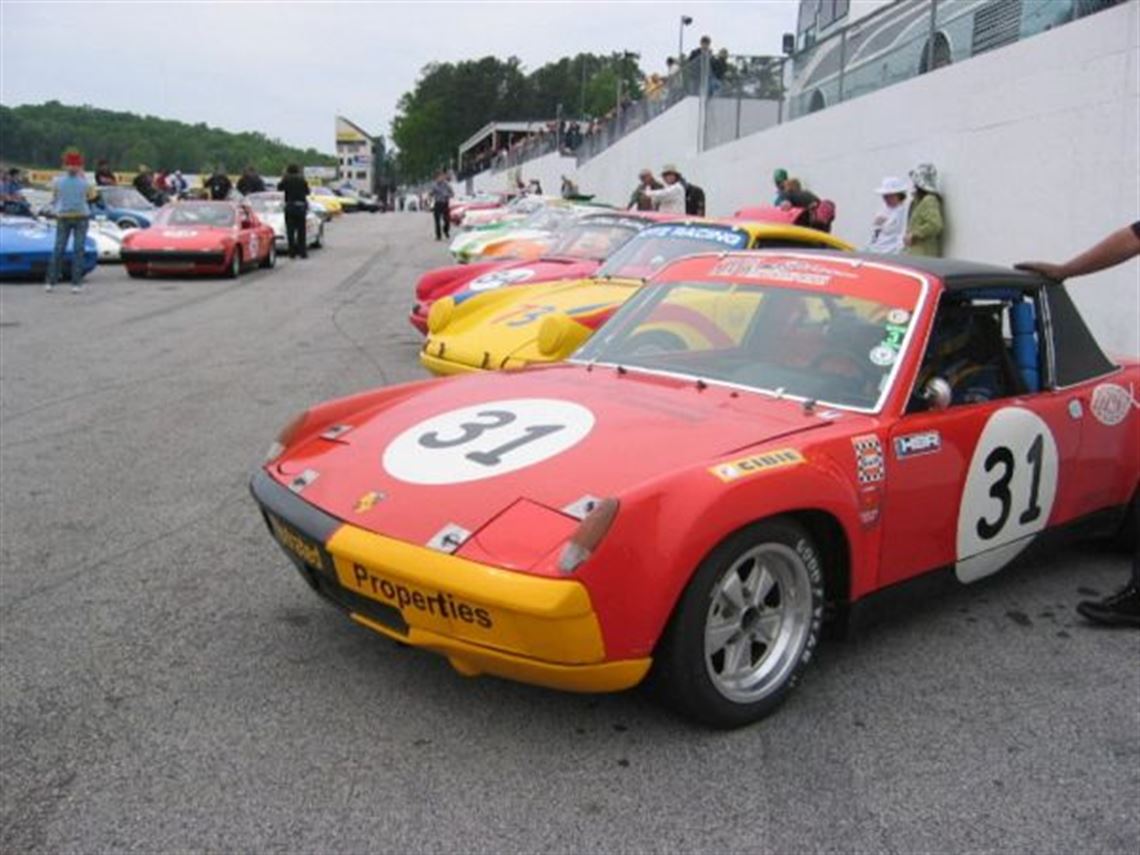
[820, 427]
[457, 208]
[578, 253]
[201, 238]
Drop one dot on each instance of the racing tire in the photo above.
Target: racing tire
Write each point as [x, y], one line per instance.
[235, 268]
[127, 223]
[320, 241]
[270, 258]
[745, 628]
[136, 274]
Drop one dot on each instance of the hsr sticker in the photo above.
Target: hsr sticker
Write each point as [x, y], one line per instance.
[1009, 492]
[486, 440]
[499, 278]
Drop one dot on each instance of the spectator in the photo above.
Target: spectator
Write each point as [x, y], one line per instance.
[178, 183]
[441, 194]
[296, 190]
[669, 199]
[1123, 607]
[250, 182]
[889, 225]
[925, 223]
[10, 189]
[717, 64]
[104, 177]
[569, 188]
[70, 196]
[534, 188]
[778, 178]
[144, 183]
[795, 196]
[638, 199]
[219, 185]
[161, 188]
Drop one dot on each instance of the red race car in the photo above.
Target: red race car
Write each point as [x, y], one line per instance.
[458, 208]
[201, 238]
[821, 427]
[580, 250]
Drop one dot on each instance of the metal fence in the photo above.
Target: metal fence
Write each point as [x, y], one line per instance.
[741, 95]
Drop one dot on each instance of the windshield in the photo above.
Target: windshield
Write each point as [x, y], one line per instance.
[547, 219]
[526, 204]
[189, 214]
[595, 239]
[836, 348]
[124, 197]
[656, 245]
[267, 203]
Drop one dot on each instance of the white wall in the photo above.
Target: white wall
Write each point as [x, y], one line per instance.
[1037, 144]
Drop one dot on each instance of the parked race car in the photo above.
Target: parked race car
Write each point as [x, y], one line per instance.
[525, 238]
[516, 209]
[124, 206]
[270, 209]
[26, 246]
[360, 202]
[530, 324]
[458, 207]
[332, 203]
[576, 254]
[106, 233]
[201, 238]
[832, 425]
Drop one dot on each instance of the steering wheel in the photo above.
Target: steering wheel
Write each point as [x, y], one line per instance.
[859, 367]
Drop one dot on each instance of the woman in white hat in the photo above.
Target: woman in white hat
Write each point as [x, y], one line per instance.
[889, 225]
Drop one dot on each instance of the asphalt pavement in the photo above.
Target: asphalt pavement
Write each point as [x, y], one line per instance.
[168, 683]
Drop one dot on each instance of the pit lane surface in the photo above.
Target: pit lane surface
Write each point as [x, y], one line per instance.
[167, 682]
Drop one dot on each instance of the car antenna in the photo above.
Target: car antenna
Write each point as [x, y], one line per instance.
[701, 384]
[809, 406]
[621, 369]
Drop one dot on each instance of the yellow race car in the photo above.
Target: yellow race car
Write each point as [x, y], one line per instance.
[521, 325]
[331, 201]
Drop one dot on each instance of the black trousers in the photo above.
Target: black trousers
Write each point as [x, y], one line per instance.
[295, 230]
[440, 212]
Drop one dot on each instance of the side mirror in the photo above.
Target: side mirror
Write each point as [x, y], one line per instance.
[937, 394]
[558, 334]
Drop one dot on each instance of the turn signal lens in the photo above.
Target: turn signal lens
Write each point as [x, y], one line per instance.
[589, 534]
[285, 437]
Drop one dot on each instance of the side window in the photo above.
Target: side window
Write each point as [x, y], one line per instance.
[986, 344]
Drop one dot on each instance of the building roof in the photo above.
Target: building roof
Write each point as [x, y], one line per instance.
[354, 126]
[502, 127]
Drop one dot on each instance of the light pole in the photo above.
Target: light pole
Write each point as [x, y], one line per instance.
[685, 21]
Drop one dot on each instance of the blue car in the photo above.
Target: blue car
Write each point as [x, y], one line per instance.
[124, 206]
[26, 246]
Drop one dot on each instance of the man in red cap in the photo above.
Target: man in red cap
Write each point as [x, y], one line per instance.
[71, 193]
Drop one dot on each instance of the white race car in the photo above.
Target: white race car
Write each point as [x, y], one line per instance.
[107, 235]
[270, 209]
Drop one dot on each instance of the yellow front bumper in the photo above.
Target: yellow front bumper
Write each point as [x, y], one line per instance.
[483, 619]
[445, 367]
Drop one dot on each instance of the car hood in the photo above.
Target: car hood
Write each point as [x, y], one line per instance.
[489, 327]
[29, 237]
[620, 430]
[171, 237]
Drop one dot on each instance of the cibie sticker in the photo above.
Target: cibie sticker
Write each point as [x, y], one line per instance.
[485, 440]
[499, 278]
[870, 465]
[733, 470]
[1111, 404]
[1008, 494]
[898, 316]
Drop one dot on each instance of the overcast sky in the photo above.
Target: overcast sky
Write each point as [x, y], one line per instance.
[287, 68]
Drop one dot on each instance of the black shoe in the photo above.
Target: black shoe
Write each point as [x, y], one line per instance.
[1121, 609]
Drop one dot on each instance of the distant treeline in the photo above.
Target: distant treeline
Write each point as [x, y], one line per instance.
[37, 135]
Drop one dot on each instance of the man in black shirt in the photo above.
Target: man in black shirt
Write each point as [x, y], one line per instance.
[250, 182]
[296, 190]
[219, 185]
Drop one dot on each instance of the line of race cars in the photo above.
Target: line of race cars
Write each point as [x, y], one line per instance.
[184, 237]
[683, 445]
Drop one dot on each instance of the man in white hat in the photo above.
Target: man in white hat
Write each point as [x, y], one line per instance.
[670, 199]
[889, 225]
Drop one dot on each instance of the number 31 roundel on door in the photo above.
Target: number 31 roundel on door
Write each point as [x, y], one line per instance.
[485, 440]
[1008, 494]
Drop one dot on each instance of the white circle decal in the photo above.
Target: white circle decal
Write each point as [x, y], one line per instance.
[1009, 491]
[486, 440]
[882, 356]
[898, 316]
[499, 278]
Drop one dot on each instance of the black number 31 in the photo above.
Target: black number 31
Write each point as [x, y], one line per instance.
[1002, 456]
[471, 431]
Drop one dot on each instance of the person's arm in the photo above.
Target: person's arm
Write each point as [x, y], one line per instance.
[1118, 247]
[668, 190]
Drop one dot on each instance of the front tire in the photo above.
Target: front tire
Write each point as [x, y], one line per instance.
[136, 272]
[270, 257]
[234, 270]
[746, 626]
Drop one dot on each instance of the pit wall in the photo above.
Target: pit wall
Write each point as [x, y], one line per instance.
[1036, 144]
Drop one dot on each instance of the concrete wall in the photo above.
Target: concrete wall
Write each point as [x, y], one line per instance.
[1037, 144]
